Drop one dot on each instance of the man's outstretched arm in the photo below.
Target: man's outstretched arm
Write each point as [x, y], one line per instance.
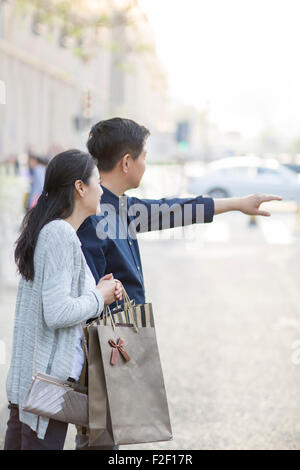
[157, 214]
[248, 204]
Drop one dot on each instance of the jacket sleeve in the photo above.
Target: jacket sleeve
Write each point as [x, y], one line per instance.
[158, 214]
[60, 309]
[92, 248]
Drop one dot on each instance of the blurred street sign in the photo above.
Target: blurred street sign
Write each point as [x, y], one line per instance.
[182, 135]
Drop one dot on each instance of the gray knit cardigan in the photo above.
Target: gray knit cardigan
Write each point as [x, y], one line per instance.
[48, 311]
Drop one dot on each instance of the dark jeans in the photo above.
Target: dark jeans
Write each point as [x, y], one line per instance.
[19, 436]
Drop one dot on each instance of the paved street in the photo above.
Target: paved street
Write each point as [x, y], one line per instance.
[228, 365]
[226, 303]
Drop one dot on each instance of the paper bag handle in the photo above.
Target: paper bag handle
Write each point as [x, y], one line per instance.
[127, 309]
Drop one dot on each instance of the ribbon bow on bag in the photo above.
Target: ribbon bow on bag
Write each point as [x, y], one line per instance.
[118, 347]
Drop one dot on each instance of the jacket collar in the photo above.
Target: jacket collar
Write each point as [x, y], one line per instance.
[111, 198]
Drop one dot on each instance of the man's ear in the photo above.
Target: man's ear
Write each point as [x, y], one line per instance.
[125, 162]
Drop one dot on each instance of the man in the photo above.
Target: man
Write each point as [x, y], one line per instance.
[109, 240]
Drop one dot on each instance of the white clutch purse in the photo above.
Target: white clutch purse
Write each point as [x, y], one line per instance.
[57, 399]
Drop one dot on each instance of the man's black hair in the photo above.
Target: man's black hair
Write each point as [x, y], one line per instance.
[111, 139]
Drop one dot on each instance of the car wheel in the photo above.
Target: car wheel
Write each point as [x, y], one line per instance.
[218, 193]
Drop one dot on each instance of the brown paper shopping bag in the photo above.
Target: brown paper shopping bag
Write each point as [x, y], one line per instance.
[127, 396]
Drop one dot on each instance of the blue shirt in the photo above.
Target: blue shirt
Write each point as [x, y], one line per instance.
[109, 240]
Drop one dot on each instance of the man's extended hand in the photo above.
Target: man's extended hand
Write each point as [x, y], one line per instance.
[248, 204]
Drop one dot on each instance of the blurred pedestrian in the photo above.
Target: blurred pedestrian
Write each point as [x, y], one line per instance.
[37, 169]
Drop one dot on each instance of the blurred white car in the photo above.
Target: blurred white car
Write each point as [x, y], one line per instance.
[239, 176]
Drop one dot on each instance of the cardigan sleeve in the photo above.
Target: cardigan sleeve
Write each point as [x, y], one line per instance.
[60, 309]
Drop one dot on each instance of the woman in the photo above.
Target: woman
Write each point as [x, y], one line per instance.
[56, 293]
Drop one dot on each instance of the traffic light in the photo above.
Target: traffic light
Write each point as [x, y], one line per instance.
[87, 104]
[84, 118]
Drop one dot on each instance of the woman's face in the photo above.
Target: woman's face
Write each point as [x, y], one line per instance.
[93, 193]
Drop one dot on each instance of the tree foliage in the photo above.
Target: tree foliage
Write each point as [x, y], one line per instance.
[82, 21]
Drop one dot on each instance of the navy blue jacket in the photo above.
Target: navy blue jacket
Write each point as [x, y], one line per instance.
[109, 242]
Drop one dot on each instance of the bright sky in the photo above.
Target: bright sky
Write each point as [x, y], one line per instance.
[241, 57]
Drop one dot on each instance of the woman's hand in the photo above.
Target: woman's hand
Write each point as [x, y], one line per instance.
[110, 288]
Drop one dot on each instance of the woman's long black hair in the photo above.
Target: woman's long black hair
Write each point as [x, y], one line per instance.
[55, 202]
